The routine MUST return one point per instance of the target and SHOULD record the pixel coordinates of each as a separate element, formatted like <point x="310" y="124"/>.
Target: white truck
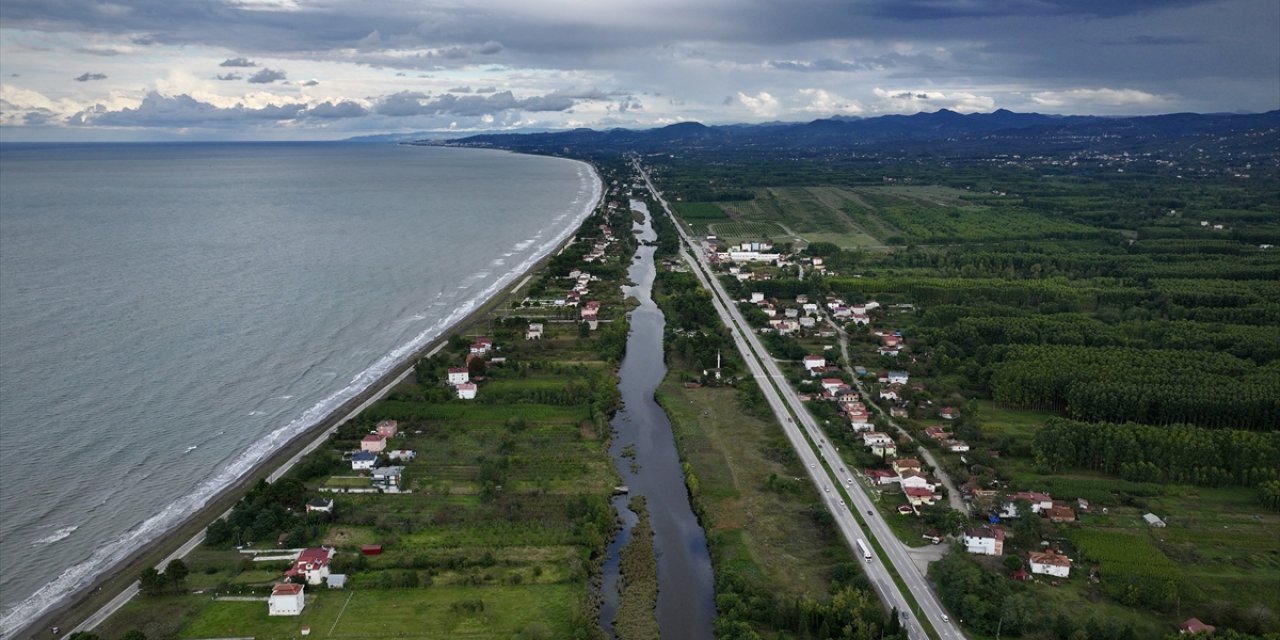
<point x="866" y="552"/>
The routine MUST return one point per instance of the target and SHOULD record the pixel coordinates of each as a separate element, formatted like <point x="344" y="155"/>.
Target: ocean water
<point x="171" y="313"/>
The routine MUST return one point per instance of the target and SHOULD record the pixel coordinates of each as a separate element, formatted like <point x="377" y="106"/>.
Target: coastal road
<point x="822" y="463"/>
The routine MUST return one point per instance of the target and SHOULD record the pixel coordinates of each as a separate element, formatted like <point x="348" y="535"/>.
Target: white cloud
<point x="761" y="105"/>
<point x="823" y="102"/>
<point x="1098" y="97"/>
<point x="917" y="100"/>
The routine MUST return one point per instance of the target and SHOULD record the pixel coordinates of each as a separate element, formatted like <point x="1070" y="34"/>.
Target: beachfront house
<point x="481" y="347"/>
<point x="402" y="455"/>
<point x="534" y="332"/>
<point x="387" y="478"/>
<point x="287" y="599"/>
<point x="363" y="460"/>
<point x="387" y="428"/>
<point x="459" y="375"/>
<point x="466" y="391"/>
<point x="312" y="564"/>
<point x="373" y="442"/>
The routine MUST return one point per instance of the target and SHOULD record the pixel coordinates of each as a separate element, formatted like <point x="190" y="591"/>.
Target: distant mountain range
<point x="942" y="131"/>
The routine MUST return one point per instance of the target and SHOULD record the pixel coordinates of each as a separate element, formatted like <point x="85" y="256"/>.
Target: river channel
<point x="686" y="593"/>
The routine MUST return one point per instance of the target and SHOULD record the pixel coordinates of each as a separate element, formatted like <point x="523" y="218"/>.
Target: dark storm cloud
<point x="229" y="76"/>
<point x="238" y="62"/>
<point x="267" y="76"/>
<point x="311" y="83"/>
<point x="413" y="103"/>
<point x="912" y="10"/>
<point x="159" y="110"/>
<point x="87" y="76"/>
<point x="460" y="90"/>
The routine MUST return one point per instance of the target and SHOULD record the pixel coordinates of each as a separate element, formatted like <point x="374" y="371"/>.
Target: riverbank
<point x="120" y="577"/>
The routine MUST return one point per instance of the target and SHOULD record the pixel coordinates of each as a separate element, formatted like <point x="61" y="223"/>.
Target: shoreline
<point x="110" y="590"/>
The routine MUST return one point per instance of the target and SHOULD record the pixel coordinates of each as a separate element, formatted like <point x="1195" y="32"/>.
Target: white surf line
<point x="132" y="590"/>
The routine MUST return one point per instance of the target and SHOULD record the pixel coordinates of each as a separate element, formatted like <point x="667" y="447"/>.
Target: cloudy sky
<point x="320" y="69"/>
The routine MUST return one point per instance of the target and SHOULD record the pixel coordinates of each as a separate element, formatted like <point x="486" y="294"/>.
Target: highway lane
<point x="823" y="464"/>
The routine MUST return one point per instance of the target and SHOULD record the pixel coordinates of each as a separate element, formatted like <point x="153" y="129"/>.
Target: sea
<point x="170" y="314"/>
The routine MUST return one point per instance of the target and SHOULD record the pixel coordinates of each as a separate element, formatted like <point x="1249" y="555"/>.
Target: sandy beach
<point x="116" y="586"/>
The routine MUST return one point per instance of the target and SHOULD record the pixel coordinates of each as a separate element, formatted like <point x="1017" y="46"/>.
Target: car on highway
<point x="868" y="512"/>
<point x="810" y="465"/>
<point x="946" y="618"/>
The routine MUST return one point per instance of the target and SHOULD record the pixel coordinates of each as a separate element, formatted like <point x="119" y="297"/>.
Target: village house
<point x="987" y="541"/>
<point x="948" y="413"/>
<point x="1039" y="502"/>
<point x="807" y="323"/>
<point x="387" y="478"/>
<point x="757" y="297"/>
<point x="1060" y="513"/>
<point x="898" y="377"/>
<point x="459" y="375"/>
<point x="534" y="332"/>
<point x="466" y="391"/>
<point x="319" y="505"/>
<point x="898" y="412"/>
<point x="814" y="362"/>
<point x="956" y="446"/>
<point x="373" y="442"/>
<point x="880" y="477"/>
<point x="1050" y="563"/>
<point x="287" y="599"/>
<point x="402" y="455"/>
<point x="312" y="564"/>
<point x="481" y="347"/>
<point x="590" y="312"/>
<point x="919" y="497"/>
<point x="1193" y="625"/>
<point x="873" y="438"/>
<point x="889" y="392"/>
<point x="906" y="464"/>
<point x="804" y="299"/>
<point x="387" y="428"/>
<point x="832" y="384"/>
<point x="363" y="460"/>
<point x="914" y="479"/>
<point x="937" y="432"/>
<point x="885" y="450"/>
<point x="890" y="345"/>
<point x="860" y="319"/>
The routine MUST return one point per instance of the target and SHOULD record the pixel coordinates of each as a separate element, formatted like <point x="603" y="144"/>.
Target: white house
<point x="898" y="377"/>
<point x="363" y="460"/>
<point x="481" y="346"/>
<point x="757" y="297"/>
<point x="534" y="332"/>
<point x="459" y="375"/>
<point x="312" y="564"/>
<point x="403" y="455"/>
<point x="466" y="391"/>
<point x="814" y="362"/>
<point x="884" y="449"/>
<point x="287" y="599"/>
<point x="1153" y="520"/>
<point x="1050" y="563"/>
<point x="915" y="480"/>
<point x="832" y="384"/>
<point x="987" y="541"/>
<point x="387" y="428"/>
<point x="889" y="392"/>
<point x="861" y="318"/>
<point x="1039" y="502"/>
<point x="809" y="308"/>
<point x="956" y="446"/>
<point x="873" y="438"/>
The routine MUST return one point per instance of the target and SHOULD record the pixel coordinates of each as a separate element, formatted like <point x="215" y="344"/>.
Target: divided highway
<point x="822" y="463"/>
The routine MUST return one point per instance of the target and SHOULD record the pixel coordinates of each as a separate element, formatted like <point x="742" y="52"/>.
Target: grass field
<point x="813" y="213"/>
<point x="763" y="534"/>
<point x="546" y="611"/>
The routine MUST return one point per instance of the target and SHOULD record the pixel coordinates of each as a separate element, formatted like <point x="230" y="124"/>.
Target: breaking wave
<point x="80" y="575"/>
